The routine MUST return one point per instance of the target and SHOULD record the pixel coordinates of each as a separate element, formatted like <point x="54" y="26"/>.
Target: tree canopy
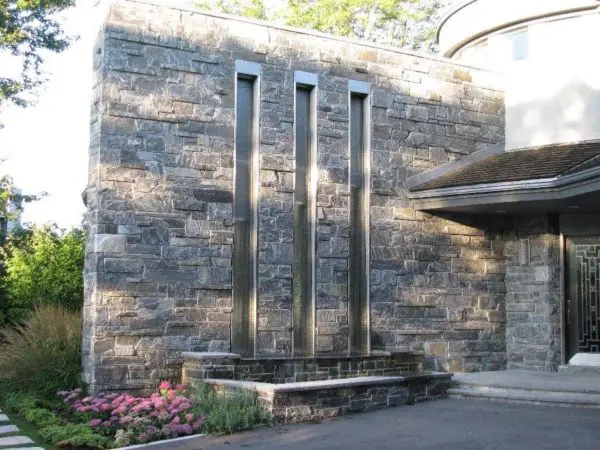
<point x="28" y="28"/>
<point x="402" y="23"/>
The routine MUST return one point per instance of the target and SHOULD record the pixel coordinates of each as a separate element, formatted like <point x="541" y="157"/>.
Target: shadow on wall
<point x="158" y="268"/>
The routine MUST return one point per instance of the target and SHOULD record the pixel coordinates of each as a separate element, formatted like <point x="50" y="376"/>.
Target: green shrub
<point x="42" y="266"/>
<point x="43" y="355"/>
<point x="75" y="434"/>
<point x="227" y="412"/>
<point x="51" y="427"/>
<point x="41" y="417"/>
<point x="18" y="401"/>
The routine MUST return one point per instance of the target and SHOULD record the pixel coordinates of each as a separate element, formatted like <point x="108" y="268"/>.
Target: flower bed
<point x="80" y="422"/>
<point x="132" y="420"/>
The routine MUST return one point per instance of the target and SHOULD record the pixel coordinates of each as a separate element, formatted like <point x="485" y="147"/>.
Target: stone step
<point x="23" y="448"/>
<point x="7" y="429"/>
<point x="3" y="418"/>
<point x="528" y="396"/>
<point x="579" y="369"/>
<point x="12" y="441"/>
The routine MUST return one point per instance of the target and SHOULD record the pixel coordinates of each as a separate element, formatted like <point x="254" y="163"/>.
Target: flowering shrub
<point x="130" y="420"/>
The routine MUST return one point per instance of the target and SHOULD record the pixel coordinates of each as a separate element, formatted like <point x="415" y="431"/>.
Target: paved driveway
<point x="436" y="425"/>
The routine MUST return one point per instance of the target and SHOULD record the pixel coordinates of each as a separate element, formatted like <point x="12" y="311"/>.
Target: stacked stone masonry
<point x="293" y="370"/>
<point x="315" y="401"/>
<point x="533" y="294"/>
<point x="158" y="261"/>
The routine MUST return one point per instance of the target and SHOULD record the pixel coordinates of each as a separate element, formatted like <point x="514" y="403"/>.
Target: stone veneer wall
<point x="158" y="268"/>
<point x="533" y="325"/>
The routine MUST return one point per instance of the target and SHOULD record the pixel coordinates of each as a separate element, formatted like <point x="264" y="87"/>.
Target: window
<point x="243" y="329"/>
<point x="519" y="45"/>
<point x="358" y="265"/>
<point x="303" y="290"/>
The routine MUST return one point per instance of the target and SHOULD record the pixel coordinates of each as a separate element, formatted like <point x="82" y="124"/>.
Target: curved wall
<point x="475" y="18"/>
<point x="546" y="49"/>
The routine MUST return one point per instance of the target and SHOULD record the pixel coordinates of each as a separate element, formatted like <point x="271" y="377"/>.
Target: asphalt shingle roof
<point x="531" y="164"/>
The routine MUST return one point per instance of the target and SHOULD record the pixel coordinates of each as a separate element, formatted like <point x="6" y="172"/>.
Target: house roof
<point x="529" y="164"/>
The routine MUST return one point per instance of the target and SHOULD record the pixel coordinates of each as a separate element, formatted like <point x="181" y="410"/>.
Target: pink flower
<point x="120" y="410"/>
<point x="143" y="437"/>
<point x="95" y="422"/>
<point x="180" y="387"/>
<point x="189" y="417"/>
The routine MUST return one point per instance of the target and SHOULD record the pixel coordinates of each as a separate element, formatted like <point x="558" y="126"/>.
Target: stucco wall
<point x="554" y="95"/>
<point x="468" y="20"/>
<point x="158" y="269"/>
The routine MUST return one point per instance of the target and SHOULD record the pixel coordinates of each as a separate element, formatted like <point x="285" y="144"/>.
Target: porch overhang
<point x="493" y="181"/>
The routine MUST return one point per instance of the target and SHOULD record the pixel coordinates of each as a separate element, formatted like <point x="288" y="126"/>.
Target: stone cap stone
<point x="326" y="384"/>
<point x="306" y="385"/>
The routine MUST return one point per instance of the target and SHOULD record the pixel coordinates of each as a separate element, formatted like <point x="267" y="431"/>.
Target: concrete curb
<point x="181" y="443"/>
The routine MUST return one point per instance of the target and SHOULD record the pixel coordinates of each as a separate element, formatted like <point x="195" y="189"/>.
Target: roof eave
<point x="548" y="189"/>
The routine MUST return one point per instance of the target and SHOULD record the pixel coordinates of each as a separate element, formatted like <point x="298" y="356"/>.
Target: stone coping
<point x="341" y="356"/>
<point x="225" y="355"/>
<point x="183" y="5"/>
<point x="210" y="355"/>
<point x="325" y="384"/>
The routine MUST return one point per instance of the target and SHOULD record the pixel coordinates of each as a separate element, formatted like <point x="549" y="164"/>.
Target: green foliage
<point x="17" y="401"/>
<point x="41" y="267"/>
<point x="41" y="417"/>
<point x="11" y="201"/>
<point x="74" y="434"/>
<point x="43" y="354"/>
<point x="227" y="412"/>
<point x="27" y="29"/>
<point x="51" y="427"/>
<point x="402" y="23"/>
<point x="254" y="9"/>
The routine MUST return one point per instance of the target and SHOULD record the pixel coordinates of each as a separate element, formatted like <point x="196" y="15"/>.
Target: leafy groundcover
<point x="117" y="420"/>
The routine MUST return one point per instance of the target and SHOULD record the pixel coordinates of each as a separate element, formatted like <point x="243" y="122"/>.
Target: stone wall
<point x="444" y="292"/>
<point x="317" y="400"/>
<point x="533" y="325"/>
<point x="201" y="366"/>
<point x="158" y="269"/>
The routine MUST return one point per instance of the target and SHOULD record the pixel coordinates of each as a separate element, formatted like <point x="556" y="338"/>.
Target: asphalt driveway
<point x="436" y="425"/>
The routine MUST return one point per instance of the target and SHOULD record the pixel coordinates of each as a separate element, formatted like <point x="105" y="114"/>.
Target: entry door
<point x="583" y="295"/>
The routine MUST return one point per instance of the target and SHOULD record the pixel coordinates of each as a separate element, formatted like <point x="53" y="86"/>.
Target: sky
<point x="45" y="146"/>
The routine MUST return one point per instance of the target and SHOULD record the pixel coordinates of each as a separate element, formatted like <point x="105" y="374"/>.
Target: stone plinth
<point x="316" y="400"/>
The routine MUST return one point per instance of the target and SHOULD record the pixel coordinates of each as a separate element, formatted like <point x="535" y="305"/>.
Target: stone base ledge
<point x="307" y="385"/>
<point x="315" y="400"/>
